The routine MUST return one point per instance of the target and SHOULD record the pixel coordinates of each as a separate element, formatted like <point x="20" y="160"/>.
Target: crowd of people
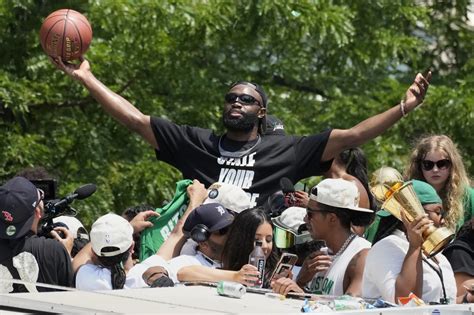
<point x="231" y="200"/>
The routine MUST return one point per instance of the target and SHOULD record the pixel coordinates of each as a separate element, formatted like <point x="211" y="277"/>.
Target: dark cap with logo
<point x="213" y="215"/>
<point x="18" y="200"/>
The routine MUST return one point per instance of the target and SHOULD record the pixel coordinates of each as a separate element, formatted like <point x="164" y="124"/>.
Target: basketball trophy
<point x="388" y="187"/>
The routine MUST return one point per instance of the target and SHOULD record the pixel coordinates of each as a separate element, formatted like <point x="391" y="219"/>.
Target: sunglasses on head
<point x="428" y="165"/>
<point x="244" y="99"/>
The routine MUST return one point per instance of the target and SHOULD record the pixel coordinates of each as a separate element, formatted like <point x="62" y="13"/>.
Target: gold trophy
<point x="388" y="187"/>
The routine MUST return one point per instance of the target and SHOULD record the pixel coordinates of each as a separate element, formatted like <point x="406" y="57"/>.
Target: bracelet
<point x="402" y="108"/>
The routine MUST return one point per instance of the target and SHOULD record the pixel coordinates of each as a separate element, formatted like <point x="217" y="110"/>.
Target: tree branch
<point x="298" y="87"/>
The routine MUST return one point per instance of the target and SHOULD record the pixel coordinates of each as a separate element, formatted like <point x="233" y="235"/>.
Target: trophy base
<point x="436" y="241"/>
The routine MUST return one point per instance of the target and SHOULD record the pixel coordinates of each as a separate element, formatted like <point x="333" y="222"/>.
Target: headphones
<point x="200" y="233"/>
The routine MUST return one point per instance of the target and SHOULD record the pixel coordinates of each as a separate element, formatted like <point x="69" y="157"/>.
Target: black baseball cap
<point x="213" y="215"/>
<point x="18" y="200"/>
<point x="274" y="126"/>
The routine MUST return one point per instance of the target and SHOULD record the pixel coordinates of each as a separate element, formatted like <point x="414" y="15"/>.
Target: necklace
<point x="344" y="246"/>
<point x="237" y="154"/>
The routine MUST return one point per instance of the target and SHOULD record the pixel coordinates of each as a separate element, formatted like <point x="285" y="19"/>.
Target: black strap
<point x="439" y="272"/>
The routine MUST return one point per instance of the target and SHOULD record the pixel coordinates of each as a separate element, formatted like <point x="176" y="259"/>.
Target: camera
<point x="49" y="186"/>
<point x="57" y="207"/>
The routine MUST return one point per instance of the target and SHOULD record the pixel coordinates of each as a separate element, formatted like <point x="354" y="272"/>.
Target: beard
<point x="244" y="123"/>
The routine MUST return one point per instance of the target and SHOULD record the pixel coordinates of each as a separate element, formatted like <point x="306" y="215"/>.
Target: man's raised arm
<point x="114" y="104"/>
<point x="374" y="126"/>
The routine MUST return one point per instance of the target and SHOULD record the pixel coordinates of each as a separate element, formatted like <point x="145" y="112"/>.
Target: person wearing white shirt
<point x="396" y="266"/>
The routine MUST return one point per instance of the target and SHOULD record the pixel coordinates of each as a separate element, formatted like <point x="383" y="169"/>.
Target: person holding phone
<point x="332" y="209"/>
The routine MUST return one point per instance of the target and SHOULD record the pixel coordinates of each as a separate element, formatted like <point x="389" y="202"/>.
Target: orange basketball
<point x="65" y="33"/>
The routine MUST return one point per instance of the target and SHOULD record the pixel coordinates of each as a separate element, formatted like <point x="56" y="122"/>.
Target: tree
<point x="323" y="64"/>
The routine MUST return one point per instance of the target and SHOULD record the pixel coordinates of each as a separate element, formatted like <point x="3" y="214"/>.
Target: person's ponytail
<point x="115" y="264"/>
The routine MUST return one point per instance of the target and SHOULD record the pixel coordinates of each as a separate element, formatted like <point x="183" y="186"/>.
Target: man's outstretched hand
<point x="75" y="70"/>
<point x="417" y="91"/>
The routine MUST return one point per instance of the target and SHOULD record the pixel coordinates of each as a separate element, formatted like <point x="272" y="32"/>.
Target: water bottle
<point x="257" y="259"/>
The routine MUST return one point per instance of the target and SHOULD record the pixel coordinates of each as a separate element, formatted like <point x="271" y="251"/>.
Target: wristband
<point x="402" y="108"/>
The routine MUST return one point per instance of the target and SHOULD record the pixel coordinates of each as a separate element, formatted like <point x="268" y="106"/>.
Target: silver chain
<point x="344" y="246"/>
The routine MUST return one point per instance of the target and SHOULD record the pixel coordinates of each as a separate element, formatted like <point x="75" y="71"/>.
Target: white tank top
<point x="330" y="282"/>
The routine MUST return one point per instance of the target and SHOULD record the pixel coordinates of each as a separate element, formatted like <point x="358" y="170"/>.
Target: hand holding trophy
<point x="388" y="187"/>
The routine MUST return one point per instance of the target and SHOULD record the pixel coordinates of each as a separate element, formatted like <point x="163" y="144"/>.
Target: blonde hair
<point x="454" y="190"/>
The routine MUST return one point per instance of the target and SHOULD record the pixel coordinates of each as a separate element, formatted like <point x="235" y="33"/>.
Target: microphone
<point x="289" y="192"/>
<point x="80" y="193"/>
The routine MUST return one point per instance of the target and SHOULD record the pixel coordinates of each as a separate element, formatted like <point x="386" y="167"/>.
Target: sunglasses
<point x="311" y="212"/>
<point x="224" y="230"/>
<point x="244" y="99"/>
<point x="428" y="165"/>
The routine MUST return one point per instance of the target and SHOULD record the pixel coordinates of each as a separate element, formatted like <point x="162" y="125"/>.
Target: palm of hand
<point x="417" y="91"/>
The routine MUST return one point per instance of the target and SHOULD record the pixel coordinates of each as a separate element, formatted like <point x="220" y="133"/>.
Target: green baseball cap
<point x="425" y="192"/>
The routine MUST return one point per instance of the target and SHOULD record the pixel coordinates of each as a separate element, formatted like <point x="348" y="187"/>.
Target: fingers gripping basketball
<point x="65" y="33"/>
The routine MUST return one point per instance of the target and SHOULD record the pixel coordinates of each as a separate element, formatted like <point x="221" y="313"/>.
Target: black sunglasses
<point x="244" y="99"/>
<point x="311" y="212"/>
<point x="224" y="230"/>
<point x="428" y="165"/>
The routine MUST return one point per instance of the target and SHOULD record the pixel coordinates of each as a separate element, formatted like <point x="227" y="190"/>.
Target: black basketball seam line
<point x="49" y="31"/>
<point x="74" y="21"/>
<point x="64" y="32"/>
<point x="51" y="27"/>
<point x="51" y="16"/>
<point x="78" y="32"/>
<point x="86" y="22"/>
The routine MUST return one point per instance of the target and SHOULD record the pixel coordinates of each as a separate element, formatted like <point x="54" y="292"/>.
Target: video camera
<point x="56" y="207"/>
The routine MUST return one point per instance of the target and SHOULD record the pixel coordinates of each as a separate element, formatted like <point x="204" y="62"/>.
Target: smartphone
<point x="285" y="264"/>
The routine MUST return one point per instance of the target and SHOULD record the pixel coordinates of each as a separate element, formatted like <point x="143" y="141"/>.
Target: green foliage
<point x="323" y="63"/>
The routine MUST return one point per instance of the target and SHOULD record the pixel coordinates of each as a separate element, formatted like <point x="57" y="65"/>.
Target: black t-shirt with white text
<point x="195" y="152"/>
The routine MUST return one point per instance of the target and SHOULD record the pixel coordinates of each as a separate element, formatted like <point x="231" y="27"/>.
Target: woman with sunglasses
<point x="249" y="226"/>
<point x="437" y="161"/>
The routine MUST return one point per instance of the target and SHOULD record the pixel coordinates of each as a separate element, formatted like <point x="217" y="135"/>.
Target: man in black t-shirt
<point x="23" y="255"/>
<point x="244" y="156"/>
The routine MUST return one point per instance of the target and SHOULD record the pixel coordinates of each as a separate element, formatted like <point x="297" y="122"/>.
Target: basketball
<point x="65" y="33"/>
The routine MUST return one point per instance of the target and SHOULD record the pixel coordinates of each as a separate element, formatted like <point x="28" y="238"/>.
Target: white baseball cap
<point x="73" y="225"/>
<point x="230" y="196"/>
<point x="111" y="230"/>
<point x="338" y="193"/>
<point x="291" y="218"/>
